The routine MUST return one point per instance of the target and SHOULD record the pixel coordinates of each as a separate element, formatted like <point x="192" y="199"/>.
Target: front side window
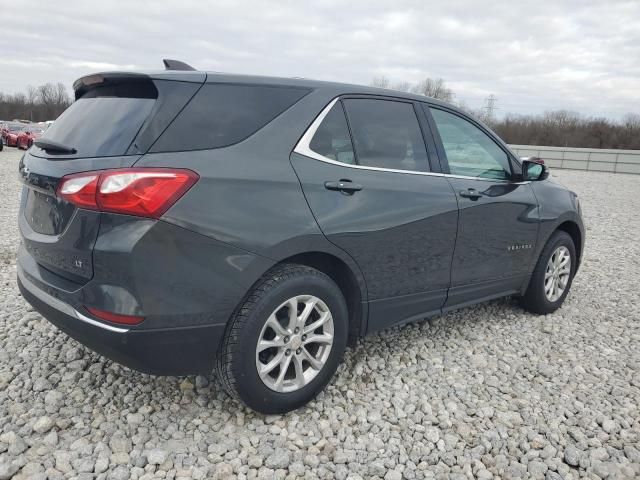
<point x="470" y="151"/>
<point x="386" y="134"/>
<point x="332" y="139"/>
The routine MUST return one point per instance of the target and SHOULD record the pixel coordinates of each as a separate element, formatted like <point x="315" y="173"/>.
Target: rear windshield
<point x="223" y="114"/>
<point x="105" y="120"/>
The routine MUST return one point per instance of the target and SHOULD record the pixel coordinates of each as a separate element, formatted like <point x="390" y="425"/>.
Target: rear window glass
<point x="221" y="115"/>
<point x="105" y="120"/>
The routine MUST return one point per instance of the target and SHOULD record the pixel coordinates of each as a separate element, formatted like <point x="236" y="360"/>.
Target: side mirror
<point x="534" y="171"/>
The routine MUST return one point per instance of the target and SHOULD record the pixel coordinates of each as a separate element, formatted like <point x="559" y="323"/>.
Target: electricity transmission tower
<point x="490" y="106"/>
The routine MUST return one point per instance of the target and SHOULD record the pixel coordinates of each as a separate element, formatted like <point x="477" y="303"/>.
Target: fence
<point x="602" y="160"/>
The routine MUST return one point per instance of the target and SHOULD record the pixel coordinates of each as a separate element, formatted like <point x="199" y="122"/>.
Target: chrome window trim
<point x="63" y="307"/>
<point x="303" y="148"/>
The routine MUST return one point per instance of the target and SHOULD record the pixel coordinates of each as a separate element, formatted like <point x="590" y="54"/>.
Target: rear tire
<point x="302" y="358"/>
<point x="552" y="278"/>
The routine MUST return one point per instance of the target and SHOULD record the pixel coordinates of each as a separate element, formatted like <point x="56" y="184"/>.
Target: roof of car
<point x="220" y="77"/>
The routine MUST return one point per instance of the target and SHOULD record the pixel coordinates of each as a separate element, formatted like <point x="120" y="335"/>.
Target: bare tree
<point x="32" y="99"/>
<point x="434" y="88"/>
<point x="380" y="82"/>
<point x="402" y="86"/>
<point x="631" y="121"/>
<point x="45" y="102"/>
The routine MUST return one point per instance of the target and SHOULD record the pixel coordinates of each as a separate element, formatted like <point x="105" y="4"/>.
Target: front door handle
<point x="346" y="186"/>
<point x="471" y="193"/>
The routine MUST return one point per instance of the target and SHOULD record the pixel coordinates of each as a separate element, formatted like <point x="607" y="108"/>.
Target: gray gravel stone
<point x="572" y="456"/>
<point x="7" y="469"/>
<point x="156" y="456"/>
<point x="280" y="458"/>
<point x="43" y="425"/>
<point x="609" y="426"/>
<point x="393" y="475"/>
<point x="537" y="469"/>
<point x="487" y="392"/>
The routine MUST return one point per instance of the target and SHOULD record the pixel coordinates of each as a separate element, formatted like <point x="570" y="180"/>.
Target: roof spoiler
<point x="86" y="83"/>
<point x="176" y="65"/>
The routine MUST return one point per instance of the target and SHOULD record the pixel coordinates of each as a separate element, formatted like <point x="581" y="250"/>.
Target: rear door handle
<point x="471" y="193"/>
<point x="346" y="186"/>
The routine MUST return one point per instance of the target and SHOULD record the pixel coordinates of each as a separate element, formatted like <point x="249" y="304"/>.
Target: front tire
<point x="285" y="340"/>
<point x="552" y="278"/>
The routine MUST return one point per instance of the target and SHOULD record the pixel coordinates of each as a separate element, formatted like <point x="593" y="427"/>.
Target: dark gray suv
<point x="180" y="221"/>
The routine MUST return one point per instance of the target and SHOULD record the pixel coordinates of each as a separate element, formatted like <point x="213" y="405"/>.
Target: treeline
<point x="38" y="104"/>
<point x="568" y="129"/>
<point x="559" y="128"/>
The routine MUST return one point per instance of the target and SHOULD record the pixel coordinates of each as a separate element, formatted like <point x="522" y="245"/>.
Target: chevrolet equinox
<point x="180" y="221"/>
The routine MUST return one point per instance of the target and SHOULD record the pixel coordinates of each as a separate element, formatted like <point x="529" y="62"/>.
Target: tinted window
<point x="221" y="115"/>
<point x="386" y="134"/>
<point x="105" y="120"/>
<point x="332" y="138"/>
<point x="470" y="151"/>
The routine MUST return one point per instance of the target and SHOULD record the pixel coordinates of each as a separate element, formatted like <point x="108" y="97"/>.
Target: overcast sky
<point x="579" y="55"/>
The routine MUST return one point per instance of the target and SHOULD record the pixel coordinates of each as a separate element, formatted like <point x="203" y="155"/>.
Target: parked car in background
<point x="28" y="135"/>
<point x="10" y="135"/>
<point x="4" y="128"/>
<point x="182" y="221"/>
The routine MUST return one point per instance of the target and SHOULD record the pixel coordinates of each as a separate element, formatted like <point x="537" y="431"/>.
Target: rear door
<point x="374" y="195"/>
<point x="498" y="222"/>
<point x="113" y="121"/>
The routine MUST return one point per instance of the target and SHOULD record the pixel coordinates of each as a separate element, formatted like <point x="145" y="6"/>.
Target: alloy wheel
<point x="294" y="343"/>
<point x="557" y="274"/>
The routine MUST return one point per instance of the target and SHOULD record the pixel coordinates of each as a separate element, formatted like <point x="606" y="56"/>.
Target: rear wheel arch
<point x="346" y="279"/>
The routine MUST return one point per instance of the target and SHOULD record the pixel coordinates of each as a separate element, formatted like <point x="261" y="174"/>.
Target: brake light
<point x="144" y="192"/>
<point x="115" y="317"/>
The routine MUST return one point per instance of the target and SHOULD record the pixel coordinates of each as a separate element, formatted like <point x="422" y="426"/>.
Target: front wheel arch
<point x="574" y="232"/>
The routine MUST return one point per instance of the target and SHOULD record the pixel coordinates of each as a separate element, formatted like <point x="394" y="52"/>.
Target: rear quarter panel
<point x="249" y="196"/>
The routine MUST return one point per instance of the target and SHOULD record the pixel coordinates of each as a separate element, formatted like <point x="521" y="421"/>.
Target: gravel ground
<point x="485" y="392"/>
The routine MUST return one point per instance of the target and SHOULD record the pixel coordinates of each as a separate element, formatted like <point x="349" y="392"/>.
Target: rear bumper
<point x="167" y="351"/>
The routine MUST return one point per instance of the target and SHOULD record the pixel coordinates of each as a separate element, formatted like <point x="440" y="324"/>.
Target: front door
<point x="375" y="198"/>
<point x="498" y="221"/>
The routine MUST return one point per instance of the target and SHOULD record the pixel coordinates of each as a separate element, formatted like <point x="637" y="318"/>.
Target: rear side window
<point x="386" y="134"/>
<point x="105" y="120"/>
<point x="222" y="114"/>
<point x="332" y="138"/>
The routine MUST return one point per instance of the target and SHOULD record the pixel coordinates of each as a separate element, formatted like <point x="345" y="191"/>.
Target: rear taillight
<point x="144" y="192"/>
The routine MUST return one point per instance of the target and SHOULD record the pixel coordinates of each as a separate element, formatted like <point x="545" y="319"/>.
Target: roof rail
<point x="176" y="65"/>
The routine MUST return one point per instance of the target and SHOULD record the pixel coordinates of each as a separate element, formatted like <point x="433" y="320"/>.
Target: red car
<point x="27" y="136"/>
<point x="10" y="133"/>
